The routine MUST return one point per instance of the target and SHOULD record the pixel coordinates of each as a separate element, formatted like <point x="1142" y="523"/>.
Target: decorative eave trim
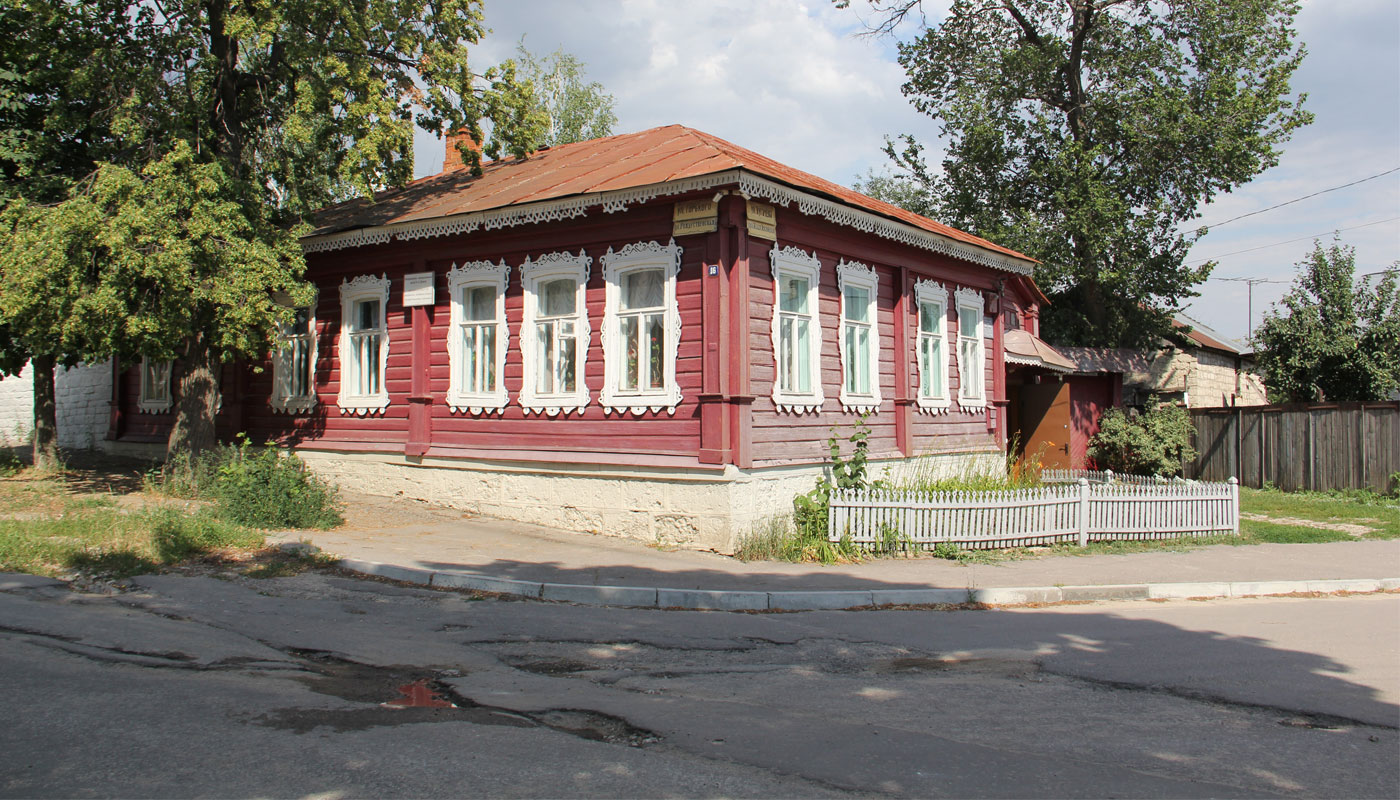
<point x="469" y="273"/>
<point x="637" y="255"/>
<point x="571" y="207"/>
<point x="863" y="275"/>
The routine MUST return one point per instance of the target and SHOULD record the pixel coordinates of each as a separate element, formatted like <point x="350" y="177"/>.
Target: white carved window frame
<point x="975" y="342"/>
<point x="283" y="401"/>
<point x="156" y="396"/>
<point x="928" y="292"/>
<point x="861" y="276"/>
<point x="553" y="266"/>
<point x="795" y="261"/>
<point x="632" y="257"/>
<point x="471" y="274"/>
<point x="363" y="287"/>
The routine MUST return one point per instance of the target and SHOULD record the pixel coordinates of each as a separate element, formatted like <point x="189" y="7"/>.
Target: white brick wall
<point x="83" y="396"/>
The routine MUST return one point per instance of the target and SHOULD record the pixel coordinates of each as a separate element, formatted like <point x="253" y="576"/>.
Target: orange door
<point x="1045" y="423"/>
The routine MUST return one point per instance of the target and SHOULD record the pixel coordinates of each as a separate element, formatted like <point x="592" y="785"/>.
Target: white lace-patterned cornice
<point x="611" y="202"/>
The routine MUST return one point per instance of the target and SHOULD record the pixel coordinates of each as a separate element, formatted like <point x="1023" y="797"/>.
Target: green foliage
<point x="270" y="488"/>
<point x="9" y="462"/>
<point x="160" y="157"/>
<point x="1086" y="134"/>
<point x="908" y="194"/>
<point x="259" y="487"/>
<point x="1155" y="442"/>
<point x="1333" y="339"/>
<point x="576" y="109"/>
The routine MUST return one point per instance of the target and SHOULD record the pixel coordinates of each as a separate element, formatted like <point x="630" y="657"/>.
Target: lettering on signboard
<point x="418" y="289"/>
<point x="762" y="221"/>
<point x="695" y="216"/>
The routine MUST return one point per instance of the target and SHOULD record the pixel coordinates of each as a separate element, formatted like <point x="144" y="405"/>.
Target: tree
<point x="1085" y="133"/>
<point x="908" y="194"/>
<point x="60" y="88"/>
<point x="240" y="120"/>
<point x="1333" y="339"/>
<point x="576" y="110"/>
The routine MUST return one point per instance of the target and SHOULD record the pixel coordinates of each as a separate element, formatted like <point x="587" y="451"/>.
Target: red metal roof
<point x="654" y="156"/>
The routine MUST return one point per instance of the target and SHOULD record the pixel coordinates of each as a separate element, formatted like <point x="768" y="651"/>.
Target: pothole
<point x="404" y="695"/>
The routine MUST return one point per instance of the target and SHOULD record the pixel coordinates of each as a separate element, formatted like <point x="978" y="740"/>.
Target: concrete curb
<point x="706" y="600"/>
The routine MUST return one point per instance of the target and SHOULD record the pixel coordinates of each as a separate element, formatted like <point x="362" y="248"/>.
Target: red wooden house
<point x="650" y="335"/>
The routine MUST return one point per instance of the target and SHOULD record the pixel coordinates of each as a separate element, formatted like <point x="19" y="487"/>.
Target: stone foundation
<point x="689" y="508"/>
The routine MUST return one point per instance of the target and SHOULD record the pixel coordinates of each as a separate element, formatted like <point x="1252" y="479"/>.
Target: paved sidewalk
<point x="446" y="548"/>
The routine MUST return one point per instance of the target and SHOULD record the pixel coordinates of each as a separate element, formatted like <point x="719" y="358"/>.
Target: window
<point x="155" y="387"/>
<point x="554" y="333"/>
<point x="477" y="342"/>
<point x="796" y="332"/>
<point x="364" y="344"/>
<point x="641" y="328"/>
<point x="972" y="396"/>
<point x="931" y="298"/>
<point x="860" y="338"/>
<point x="294" y="364"/>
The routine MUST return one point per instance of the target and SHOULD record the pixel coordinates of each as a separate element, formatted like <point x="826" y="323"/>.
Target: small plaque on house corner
<point x="762" y="221"/>
<point x="695" y="216"/>
<point x="418" y="289"/>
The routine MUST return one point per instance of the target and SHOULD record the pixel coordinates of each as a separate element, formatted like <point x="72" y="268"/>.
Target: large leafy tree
<point x="1332" y="338"/>
<point x="1086" y="133"/>
<point x="61" y="87"/>
<point x="577" y="108"/>
<point x="239" y="118"/>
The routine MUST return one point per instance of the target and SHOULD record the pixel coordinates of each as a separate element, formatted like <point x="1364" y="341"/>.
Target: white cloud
<point x="791" y="81"/>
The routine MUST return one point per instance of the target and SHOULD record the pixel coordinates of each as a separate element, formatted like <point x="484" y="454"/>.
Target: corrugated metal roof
<point x="647" y="158"/>
<point x="1023" y="348"/>
<point x="1206" y="337"/>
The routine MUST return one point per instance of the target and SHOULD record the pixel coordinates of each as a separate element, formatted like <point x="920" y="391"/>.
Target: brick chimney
<point x="452" y="160"/>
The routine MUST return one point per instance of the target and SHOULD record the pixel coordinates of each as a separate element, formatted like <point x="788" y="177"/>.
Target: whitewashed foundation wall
<point x="84" y="394"/>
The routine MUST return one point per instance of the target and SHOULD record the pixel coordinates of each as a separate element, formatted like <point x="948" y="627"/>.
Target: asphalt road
<point x="328" y="686"/>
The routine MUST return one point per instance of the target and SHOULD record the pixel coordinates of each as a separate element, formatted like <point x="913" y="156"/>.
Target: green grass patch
<point x="262" y="487"/>
<point x="1378" y="512"/>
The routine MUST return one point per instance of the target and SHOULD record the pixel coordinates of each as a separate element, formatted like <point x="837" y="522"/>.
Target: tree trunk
<point x="197" y="403"/>
<point x="45" y="414"/>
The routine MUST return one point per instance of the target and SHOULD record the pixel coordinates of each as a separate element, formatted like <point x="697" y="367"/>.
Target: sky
<point x="795" y="82"/>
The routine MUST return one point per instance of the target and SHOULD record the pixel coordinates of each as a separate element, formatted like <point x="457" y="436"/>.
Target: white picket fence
<point x="1082" y="512"/>
<point x="1102" y="476"/>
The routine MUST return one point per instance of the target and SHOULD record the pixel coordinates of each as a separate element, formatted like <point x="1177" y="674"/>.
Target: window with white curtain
<point x="972" y="394"/>
<point x="796" y="330"/>
<point x="931" y="300"/>
<point x="364" y="344"/>
<point x="478" y="336"/>
<point x="641" y="328"/>
<point x="155" y="386"/>
<point x="555" y="333"/>
<point x="860" y="338"/>
<point x="294" y="363"/>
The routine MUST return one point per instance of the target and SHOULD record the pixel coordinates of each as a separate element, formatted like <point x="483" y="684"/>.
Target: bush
<point x="261" y="487"/>
<point x="1151" y="443"/>
<point x="270" y="488"/>
<point x="9" y="462"/>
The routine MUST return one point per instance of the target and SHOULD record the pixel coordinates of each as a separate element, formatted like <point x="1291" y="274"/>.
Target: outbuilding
<point x="651" y="335"/>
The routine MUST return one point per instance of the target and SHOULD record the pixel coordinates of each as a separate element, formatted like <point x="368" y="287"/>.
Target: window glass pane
<point x="857" y="302"/>
<point x="567" y="351"/>
<point x="852" y="359"/>
<point x="488" y="358"/>
<point x="786" y="361"/>
<point x="558" y="298"/>
<point x="925" y="367"/>
<point x="479" y="302"/>
<point x="936" y="366"/>
<point x="794" y="294"/>
<point x="544" y="348"/>
<point x="656" y="367"/>
<point x="643" y="288"/>
<point x="863" y="360"/>
<point x="803" y="353"/>
<point x="928" y="317"/>
<point x="630" y="365"/>
<point x="367" y="315"/>
<point x="967" y="321"/>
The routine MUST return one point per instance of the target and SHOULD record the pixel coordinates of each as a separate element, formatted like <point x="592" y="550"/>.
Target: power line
<point x="1300" y="199"/>
<point x="1249" y="318"/>
<point x="1291" y="241"/>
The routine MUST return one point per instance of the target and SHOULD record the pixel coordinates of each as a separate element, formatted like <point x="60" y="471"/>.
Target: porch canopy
<point x="1026" y="350"/>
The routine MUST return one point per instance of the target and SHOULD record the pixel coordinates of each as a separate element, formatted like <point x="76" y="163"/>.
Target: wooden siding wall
<point x="784" y="438"/>
<point x="774" y="438"/>
<point x="1304" y="447"/>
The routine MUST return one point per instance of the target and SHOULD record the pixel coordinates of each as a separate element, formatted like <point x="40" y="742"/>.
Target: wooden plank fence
<point x="1082" y="512"/>
<point x="1300" y="447"/>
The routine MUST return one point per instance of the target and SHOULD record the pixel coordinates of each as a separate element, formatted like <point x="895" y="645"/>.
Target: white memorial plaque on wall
<point x="418" y="289"/>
